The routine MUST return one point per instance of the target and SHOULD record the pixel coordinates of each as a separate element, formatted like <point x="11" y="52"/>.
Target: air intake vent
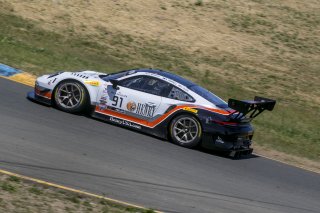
<point x="80" y="75"/>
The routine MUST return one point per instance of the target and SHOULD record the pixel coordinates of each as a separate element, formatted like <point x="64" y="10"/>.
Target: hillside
<point x="236" y="48"/>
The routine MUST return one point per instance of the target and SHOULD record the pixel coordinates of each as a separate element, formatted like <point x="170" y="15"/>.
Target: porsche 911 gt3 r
<point x="156" y="102"/>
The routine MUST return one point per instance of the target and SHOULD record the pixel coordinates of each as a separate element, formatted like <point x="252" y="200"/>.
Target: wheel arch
<point x="53" y="100"/>
<point x="178" y="113"/>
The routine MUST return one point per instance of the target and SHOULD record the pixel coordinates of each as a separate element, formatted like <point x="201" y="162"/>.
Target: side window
<point x="155" y="86"/>
<point x="147" y="84"/>
<point x="133" y="83"/>
<point x="178" y="94"/>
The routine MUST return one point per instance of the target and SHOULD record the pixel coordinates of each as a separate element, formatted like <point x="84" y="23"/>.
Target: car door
<point x="143" y="96"/>
<point x="137" y="98"/>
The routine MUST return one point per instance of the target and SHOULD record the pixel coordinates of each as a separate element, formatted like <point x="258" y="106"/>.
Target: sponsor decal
<point x="92" y="83"/>
<point x="121" y="95"/>
<point x="146" y="109"/>
<point x="131" y="106"/>
<point x="119" y="110"/>
<point x="219" y="140"/>
<point x="125" y="123"/>
<point x="104" y="99"/>
<point x="103" y="102"/>
<point x="209" y="120"/>
<point x="102" y="106"/>
<point x="190" y="110"/>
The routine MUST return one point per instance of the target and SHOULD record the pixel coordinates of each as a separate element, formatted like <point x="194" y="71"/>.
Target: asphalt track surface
<point x="98" y="157"/>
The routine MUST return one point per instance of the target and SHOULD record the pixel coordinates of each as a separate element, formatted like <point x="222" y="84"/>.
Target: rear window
<point x="178" y="94"/>
<point x="206" y="94"/>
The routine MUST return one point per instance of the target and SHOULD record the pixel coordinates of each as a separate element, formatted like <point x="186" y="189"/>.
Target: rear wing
<point x="252" y="108"/>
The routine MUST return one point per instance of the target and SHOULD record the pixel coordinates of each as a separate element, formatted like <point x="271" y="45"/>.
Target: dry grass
<point x="300" y="162"/>
<point x="17" y="195"/>
<point x="253" y="43"/>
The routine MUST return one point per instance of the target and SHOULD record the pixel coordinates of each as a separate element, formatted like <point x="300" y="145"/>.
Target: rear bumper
<point x="36" y="98"/>
<point x="239" y="153"/>
<point x="235" y="145"/>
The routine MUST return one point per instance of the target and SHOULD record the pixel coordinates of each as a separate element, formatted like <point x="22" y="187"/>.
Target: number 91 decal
<point x="117" y="101"/>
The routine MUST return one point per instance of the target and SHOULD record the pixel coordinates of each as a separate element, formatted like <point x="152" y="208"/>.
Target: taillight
<point x="225" y="123"/>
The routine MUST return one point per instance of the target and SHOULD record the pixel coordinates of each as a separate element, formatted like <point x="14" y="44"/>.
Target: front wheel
<point x="71" y="96"/>
<point x="186" y="131"/>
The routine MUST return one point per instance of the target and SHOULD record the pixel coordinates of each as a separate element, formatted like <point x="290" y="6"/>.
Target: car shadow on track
<point x="89" y="111"/>
<point x="199" y="149"/>
<point x="226" y="155"/>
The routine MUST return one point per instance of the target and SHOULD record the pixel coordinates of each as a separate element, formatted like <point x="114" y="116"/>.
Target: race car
<point x="156" y="102"/>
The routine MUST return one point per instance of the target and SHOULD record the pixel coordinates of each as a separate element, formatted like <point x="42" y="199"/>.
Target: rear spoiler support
<point x="253" y="107"/>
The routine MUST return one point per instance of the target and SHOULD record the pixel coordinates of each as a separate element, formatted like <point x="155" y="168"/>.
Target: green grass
<point x="8" y="187"/>
<point x="14" y="179"/>
<point x="74" y="199"/>
<point x="199" y="3"/>
<point x="35" y="190"/>
<point x="292" y="127"/>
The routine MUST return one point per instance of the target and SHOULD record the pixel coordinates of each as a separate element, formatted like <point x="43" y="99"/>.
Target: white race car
<point x="156" y="102"/>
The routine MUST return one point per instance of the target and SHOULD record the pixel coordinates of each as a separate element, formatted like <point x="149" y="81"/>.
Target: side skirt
<point x="129" y="124"/>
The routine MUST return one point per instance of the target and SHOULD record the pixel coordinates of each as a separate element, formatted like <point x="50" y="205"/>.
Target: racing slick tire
<point x="185" y="130"/>
<point x="71" y="96"/>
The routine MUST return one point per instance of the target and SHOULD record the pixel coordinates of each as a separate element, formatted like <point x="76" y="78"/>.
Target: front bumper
<point x="41" y="93"/>
<point x="34" y="97"/>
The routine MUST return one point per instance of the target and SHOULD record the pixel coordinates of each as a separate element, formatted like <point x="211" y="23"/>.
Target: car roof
<point x="169" y="75"/>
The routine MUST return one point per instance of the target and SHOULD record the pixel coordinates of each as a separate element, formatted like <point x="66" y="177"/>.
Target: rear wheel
<point x="71" y="96"/>
<point x="186" y="131"/>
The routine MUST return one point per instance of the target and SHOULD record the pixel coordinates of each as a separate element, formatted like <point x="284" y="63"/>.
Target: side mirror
<point x="114" y="83"/>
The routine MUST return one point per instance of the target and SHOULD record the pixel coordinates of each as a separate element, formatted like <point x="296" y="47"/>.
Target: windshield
<point x="209" y="96"/>
<point x="117" y="75"/>
<point x="112" y="76"/>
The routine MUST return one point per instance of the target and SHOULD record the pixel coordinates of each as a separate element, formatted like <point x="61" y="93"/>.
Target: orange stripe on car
<point x="43" y="94"/>
<point x="220" y="111"/>
<point x="154" y="123"/>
